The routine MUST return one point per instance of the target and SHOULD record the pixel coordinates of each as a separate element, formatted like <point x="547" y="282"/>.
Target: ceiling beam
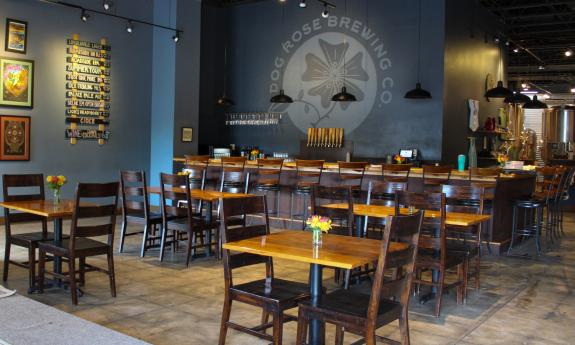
<point x="531" y="5"/>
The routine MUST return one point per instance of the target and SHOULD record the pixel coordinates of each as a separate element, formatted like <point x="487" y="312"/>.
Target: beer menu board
<point x="87" y="90"/>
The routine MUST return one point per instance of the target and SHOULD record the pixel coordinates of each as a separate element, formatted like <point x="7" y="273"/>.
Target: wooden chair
<point x="396" y="172"/>
<point x="380" y="193"/>
<point x="24" y="183"/>
<point x="272" y="294"/>
<point x="466" y="240"/>
<point x="81" y="244"/>
<point x="182" y="219"/>
<point x="308" y="174"/>
<point x="436" y="175"/>
<point x="361" y="314"/>
<point x="351" y="173"/>
<point x="136" y="210"/>
<point x="433" y="251"/>
<point x="197" y="169"/>
<point x="233" y="178"/>
<point x="268" y="178"/>
<point x="484" y="173"/>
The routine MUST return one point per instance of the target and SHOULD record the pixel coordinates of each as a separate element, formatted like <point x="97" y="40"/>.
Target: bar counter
<point x="510" y="186"/>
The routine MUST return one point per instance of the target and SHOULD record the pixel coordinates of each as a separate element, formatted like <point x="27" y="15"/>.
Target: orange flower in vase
<point x="55" y="183"/>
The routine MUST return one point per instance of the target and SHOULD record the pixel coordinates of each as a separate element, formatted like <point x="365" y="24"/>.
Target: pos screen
<point x="406" y="153"/>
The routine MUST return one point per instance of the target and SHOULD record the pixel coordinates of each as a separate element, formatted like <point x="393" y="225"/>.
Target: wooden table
<point x="204" y="195"/>
<point x="335" y="251"/>
<point x="49" y="210"/>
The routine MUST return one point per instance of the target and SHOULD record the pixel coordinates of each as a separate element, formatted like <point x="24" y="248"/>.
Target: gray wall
<point x="256" y="34"/>
<point x="128" y="147"/>
<point x="468" y="60"/>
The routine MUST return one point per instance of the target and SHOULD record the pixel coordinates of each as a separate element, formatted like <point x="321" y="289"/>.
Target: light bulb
<point x="84" y="16"/>
<point x="107" y="4"/>
<point x="176" y="37"/>
<point x="568" y="52"/>
<point x="130" y="27"/>
<point x="516" y="50"/>
<point x="524" y="85"/>
<point x="573" y="90"/>
<point x="302" y="4"/>
<point x="325" y="12"/>
<point x="541" y="67"/>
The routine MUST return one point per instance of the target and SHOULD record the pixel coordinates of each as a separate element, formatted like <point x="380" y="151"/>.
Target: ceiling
<point x="542" y="30"/>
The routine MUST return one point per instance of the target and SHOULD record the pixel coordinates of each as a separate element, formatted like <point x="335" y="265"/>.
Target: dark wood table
<point x="335" y="251"/>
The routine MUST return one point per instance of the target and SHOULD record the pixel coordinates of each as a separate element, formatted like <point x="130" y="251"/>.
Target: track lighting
<point x="176" y="37"/>
<point x="130" y="27"/>
<point x="573" y="90"/>
<point x="541" y="67"/>
<point x="516" y="50"/>
<point x="325" y="12"/>
<point x="497" y="40"/>
<point x="302" y="4"/>
<point x="568" y="52"/>
<point x="107" y="4"/>
<point x="84" y="16"/>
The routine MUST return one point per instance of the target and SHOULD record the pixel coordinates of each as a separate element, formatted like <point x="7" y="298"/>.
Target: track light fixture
<point x="325" y="12"/>
<point x="129" y="27"/>
<point x="516" y="50"/>
<point x="568" y="52"/>
<point x="84" y="16"/>
<point x="107" y="4"/>
<point x="176" y="37"/>
<point x="302" y="4"/>
<point x="541" y="67"/>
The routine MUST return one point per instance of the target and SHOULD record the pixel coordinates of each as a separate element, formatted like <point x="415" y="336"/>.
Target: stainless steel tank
<point x="559" y="129"/>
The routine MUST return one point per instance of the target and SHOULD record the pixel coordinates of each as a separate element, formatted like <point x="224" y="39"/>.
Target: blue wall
<point x="128" y="147"/>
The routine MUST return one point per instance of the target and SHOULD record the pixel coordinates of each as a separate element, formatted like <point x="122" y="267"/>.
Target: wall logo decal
<point x="313" y="64"/>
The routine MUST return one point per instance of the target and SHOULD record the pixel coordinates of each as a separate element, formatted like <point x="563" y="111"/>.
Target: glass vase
<point x="56" y="196"/>
<point x="472" y="155"/>
<point x="316" y="237"/>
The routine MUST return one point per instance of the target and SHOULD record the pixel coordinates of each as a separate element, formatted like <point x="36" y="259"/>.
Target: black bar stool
<point x="532" y="222"/>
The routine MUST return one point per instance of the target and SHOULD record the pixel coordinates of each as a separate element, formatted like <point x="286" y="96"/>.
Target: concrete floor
<point x="521" y="301"/>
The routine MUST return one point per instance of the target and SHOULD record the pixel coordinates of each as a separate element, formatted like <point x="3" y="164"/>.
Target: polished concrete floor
<point x="521" y="301"/>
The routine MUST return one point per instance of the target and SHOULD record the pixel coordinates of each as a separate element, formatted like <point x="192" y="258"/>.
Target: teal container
<point x="461" y="162"/>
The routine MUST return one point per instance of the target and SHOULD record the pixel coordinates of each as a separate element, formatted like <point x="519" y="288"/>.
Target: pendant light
<point x="224" y="101"/>
<point x="344" y="96"/>
<point x="517" y="98"/>
<point x="281" y="97"/>
<point x="535" y="104"/>
<point x="418" y="92"/>
<point x="499" y="91"/>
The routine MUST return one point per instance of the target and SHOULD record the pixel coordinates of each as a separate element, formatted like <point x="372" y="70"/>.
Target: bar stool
<point x="532" y="223"/>
<point x="197" y="169"/>
<point x="268" y="178"/>
<point x="395" y="172"/>
<point x="436" y="175"/>
<point x="308" y="174"/>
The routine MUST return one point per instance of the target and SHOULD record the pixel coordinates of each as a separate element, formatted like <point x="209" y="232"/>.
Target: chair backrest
<point x="351" y="173"/>
<point x="433" y="235"/>
<point x="135" y="201"/>
<point x="475" y="173"/>
<point x="548" y="179"/>
<point x="308" y="172"/>
<point x="175" y="197"/>
<point x="565" y="183"/>
<point x="269" y="170"/>
<point x="106" y="196"/>
<point x="233" y="178"/>
<point x="464" y="199"/>
<point x="404" y="230"/>
<point x="395" y="172"/>
<point x="322" y="195"/>
<point x="253" y="207"/>
<point x="383" y="193"/>
<point x="435" y="175"/>
<point x="197" y="167"/>
<point x="27" y="187"/>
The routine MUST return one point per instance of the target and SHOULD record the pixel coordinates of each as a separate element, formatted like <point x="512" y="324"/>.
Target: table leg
<point x="316" y="327"/>
<point x="209" y="231"/>
<point x="359" y="226"/>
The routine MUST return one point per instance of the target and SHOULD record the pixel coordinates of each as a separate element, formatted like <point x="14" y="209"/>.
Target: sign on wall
<point x="87" y="90"/>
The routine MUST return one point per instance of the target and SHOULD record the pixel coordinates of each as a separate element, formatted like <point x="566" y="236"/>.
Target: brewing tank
<point x="559" y="131"/>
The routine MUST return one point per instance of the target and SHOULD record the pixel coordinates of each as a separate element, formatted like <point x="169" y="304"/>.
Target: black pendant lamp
<point x="281" y="97"/>
<point x="534" y="104"/>
<point x="517" y="98"/>
<point x="224" y="101"/>
<point x="499" y="91"/>
<point x="418" y="92"/>
<point x="344" y="96"/>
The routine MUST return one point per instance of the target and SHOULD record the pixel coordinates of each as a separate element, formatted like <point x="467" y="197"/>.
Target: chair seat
<point x="183" y="224"/>
<point x="356" y="304"/>
<point x="83" y="245"/>
<point x="460" y="247"/>
<point x="31" y="237"/>
<point x="427" y="260"/>
<point x="282" y="291"/>
<point x="154" y="217"/>
<point x="528" y="203"/>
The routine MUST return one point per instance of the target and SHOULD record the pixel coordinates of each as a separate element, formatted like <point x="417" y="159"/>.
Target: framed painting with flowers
<point x="17" y="82"/>
<point x="14" y="138"/>
<point x="16" y="36"/>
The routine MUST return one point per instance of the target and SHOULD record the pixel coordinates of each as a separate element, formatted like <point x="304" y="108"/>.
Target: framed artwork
<point x="17" y="82"/>
<point x="14" y="138"/>
<point x="16" y="36"/>
<point x="187" y="134"/>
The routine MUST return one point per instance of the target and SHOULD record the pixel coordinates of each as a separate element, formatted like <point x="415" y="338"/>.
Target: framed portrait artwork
<point x="14" y="138"/>
<point x="17" y="82"/>
<point x="187" y="134"/>
<point x="16" y="36"/>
